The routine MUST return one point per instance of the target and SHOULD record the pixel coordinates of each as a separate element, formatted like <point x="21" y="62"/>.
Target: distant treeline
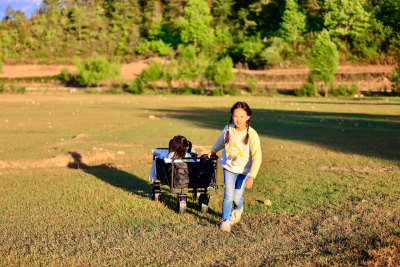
<point x="258" y="33"/>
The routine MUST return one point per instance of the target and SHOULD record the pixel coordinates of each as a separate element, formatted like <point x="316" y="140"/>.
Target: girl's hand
<point x="211" y="154"/>
<point x="249" y="182"/>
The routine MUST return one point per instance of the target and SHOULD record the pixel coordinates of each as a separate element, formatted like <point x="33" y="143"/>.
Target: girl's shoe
<point x="225" y="226"/>
<point x="236" y="216"/>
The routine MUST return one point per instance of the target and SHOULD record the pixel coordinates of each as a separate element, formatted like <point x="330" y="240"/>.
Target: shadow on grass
<point x="131" y="183"/>
<point x="363" y="134"/>
<point x="350" y="101"/>
<point x="112" y="175"/>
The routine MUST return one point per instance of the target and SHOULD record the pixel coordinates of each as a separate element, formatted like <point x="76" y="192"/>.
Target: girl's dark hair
<point x="245" y="107"/>
<point x="178" y="145"/>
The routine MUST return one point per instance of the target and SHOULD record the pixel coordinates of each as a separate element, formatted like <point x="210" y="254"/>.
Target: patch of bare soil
<point x="62" y="160"/>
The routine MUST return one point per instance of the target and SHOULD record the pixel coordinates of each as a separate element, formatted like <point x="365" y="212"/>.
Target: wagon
<point x="194" y="175"/>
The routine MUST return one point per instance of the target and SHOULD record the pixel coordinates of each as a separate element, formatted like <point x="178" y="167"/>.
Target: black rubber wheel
<point x="203" y="202"/>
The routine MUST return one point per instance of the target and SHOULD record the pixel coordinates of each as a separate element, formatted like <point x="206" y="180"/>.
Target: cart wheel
<point x="203" y="202"/>
<point x="181" y="204"/>
<point x="156" y="197"/>
<point x="156" y="193"/>
<point x="196" y="195"/>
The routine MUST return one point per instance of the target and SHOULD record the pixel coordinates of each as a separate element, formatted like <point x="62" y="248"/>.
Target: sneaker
<point x="236" y="216"/>
<point x="225" y="226"/>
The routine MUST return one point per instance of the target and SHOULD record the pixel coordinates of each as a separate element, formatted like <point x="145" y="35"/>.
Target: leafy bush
<point x="187" y="51"/>
<point x="218" y="91"/>
<point x="161" y="48"/>
<point x="232" y="90"/>
<point x="271" y="55"/>
<point x="154" y="72"/>
<point x="64" y="76"/>
<point x="1" y="66"/>
<point x="143" y="47"/>
<point x="252" y="83"/>
<point x="355" y="89"/>
<point x="15" y="90"/>
<point x="308" y="89"/>
<point x="93" y="71"/>
<point x="2" y="88"/>
<point x="223" y="71"/>
<point x="344" y="90"/>
<point x="341" y="90"/>
<point x="250" y="48"/>
<point x="199" y="90"/>
<point x="394" y="77"/>
<point x="137" y="86"/>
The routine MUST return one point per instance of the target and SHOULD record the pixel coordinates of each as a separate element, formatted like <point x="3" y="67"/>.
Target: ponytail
<point x="227" y="131"/>
<point x="246" y="139"/>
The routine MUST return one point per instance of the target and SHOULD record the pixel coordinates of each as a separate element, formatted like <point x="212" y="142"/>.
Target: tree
<point x="124" y="18"/>
<point x="323" y="60"/>
<point x="223" y="71"/>
<point x="346" y="20"/>
<point x="93" y="71"/>
<point x="196" y="28"/>
<point x="294" y="23"/>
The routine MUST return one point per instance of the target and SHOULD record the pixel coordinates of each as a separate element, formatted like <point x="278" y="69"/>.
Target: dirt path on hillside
<point x="368" y="77"/>
<point x="128" y="71"/>
<point x="132" y="70"/>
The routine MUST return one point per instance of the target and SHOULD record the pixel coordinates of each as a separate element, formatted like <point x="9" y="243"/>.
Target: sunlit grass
<point x="334" y="193"/>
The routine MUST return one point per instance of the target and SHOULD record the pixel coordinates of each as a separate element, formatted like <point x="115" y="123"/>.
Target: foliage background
<point x="258" y="32"/>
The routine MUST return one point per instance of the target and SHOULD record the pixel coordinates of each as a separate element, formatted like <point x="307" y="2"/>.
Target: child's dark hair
<point x="245" y="107"/>
<point x="178" y="145"/>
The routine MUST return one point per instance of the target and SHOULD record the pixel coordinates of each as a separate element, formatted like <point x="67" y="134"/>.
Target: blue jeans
<point x="234" y="189"/>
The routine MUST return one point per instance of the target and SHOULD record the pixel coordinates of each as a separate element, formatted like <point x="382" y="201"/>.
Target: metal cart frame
<point x="200" y="194"/>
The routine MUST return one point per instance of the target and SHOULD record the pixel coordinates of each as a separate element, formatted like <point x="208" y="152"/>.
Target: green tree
<point x="93" y="71"/>
<point x="223" y="71"/>
<point x="323" y="60"/>
<point x="347" y="21"/>
<point x="196" y="28"/>
<point x="395" y="79"/>
<point x="293" y="23"/>
<point x="124" y="18"/>
<point x="388" y="12"/>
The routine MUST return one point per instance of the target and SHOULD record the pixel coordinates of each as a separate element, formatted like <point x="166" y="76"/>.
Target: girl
<point x="241" y="160"/>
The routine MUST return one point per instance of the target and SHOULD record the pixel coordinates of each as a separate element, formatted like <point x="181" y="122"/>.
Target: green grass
<point x="334" y="185"/>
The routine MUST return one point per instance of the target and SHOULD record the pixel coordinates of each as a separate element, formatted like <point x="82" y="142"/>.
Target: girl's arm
<point x="220" y="144"/>
<point x="255" y="150"/>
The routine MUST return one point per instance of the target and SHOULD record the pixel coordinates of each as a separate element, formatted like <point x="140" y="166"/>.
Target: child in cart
<point x="179" y="148"/>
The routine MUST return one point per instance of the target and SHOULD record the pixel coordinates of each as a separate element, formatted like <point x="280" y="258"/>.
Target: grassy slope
<point x="334" y="185"/>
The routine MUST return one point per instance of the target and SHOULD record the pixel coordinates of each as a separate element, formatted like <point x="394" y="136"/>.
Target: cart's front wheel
<point x="156" y="193"/>
<point x="181" y="204"/>
<point x="156" y="197"/>
<point x="196" y="195"/>
<point x="203" y="202"/>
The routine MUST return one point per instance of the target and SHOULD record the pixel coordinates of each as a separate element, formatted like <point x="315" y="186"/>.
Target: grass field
<point x="331" y="168"/>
